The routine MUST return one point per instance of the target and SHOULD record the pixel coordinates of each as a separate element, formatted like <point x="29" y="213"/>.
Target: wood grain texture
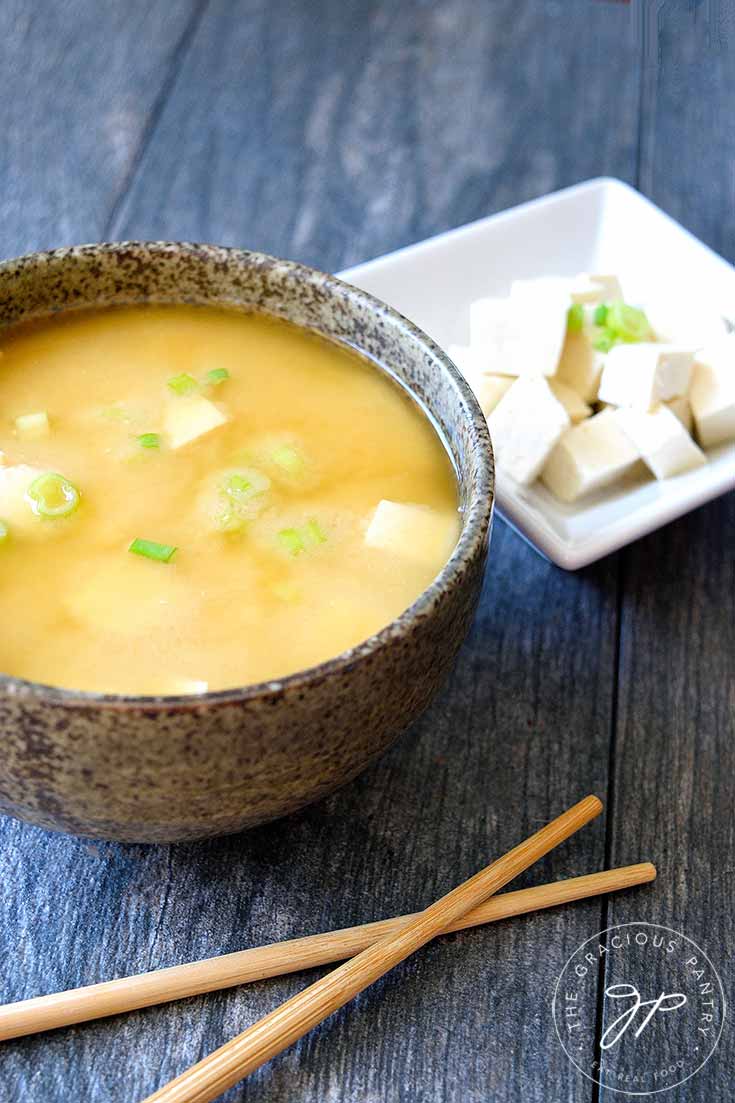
<point x="337" y="131"/>
<point x="332" y="132"/>
<point x="80" y="83"/>
<point x="674" y="750"/>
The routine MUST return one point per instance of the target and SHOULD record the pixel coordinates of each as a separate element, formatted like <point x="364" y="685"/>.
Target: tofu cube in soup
<point x="411" y="531"/>
<point x="190" y="417"/>
<point x="644" y="374"/>
<point x="525" y="426"/>
<point x="589" y="456"/>
<point x="712" y="393"/>
<point x="663" y="442"/>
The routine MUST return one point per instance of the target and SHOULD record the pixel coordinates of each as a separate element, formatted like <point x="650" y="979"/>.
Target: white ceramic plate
<point x="599" y="226"/>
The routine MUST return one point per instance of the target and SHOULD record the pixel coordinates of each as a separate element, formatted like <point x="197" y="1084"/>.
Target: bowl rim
<point x="476" y="518"/>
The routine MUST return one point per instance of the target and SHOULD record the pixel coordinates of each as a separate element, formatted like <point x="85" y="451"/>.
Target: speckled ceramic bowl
<point x="158" y="769"/>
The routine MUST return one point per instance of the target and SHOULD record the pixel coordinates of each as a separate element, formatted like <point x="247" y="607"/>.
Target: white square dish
<point x="599" y="226"/>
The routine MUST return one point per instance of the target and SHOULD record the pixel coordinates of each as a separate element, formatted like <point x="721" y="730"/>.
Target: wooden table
<point x="331" y="132"/>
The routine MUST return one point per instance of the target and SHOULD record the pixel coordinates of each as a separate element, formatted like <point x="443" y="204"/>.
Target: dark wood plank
<point x="675" y="752"/>
<point x="335" y="131"/>
<point x="79" y="85"/>
<point x="332" y="134"/>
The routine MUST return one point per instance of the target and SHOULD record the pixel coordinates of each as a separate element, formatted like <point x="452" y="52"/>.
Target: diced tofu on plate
<point x="663" y="442"/>
<point x="595" y="288"/>
<point x="525" y="333"/>
<point x="589" y="456"/>
<point x="575" y="406"/>
<point x="681" y="407"/>
<point x="712" y="393"/>
<point x="525" y="426"/>
<point x="644" y="374"/>
<point x="580" y="366"/>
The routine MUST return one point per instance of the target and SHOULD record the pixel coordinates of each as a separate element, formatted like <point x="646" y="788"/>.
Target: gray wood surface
<point x="332" y="132"/>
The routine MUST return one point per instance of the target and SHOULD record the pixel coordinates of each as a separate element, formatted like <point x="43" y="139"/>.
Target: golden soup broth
<point x="277" y="565"/>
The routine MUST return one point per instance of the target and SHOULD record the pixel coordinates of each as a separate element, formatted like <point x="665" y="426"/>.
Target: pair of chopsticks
<point x="378" y="948"/>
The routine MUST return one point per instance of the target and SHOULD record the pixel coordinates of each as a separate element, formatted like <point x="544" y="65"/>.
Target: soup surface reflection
<point x="197" y="499"/>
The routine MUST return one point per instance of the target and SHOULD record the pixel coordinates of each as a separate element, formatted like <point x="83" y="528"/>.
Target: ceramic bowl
<point x="160" y="769"/>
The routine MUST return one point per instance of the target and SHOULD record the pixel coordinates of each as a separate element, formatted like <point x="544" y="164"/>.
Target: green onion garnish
<point x="52" y="496"/>
<point x="313" y="533"/>
<point x="604" y="341"/>
<point x="183" y="384"/>
<point x="291" y="540"/>
<point x="628" y="323"/>
<point x="4" y="532"/>
<point x="288" y="458"/>
<point x="116" y="413"/>
<point x="600" y="315"/>
<point x="297" y="540"/>
<point x="149" y="440"/>
<point x="575" y="318"/>
<point x="216" y="376"/>
<point x="149" y="549"/>
<point x="237" y="485"/>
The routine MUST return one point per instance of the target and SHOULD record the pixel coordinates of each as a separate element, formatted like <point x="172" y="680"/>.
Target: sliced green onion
<point x="116" y="413"/>
<point x="604" y="341"/>
<point x="33" y="426"/>
<point x="288" y="458"/>
<point x="216" y="376"/>
<point x="297" y="540"/>
<point x="600" y="315"/>
<point x="291" y="540"/>
<point x="313" y="533"/>
<point x="4" y="532"/>
<point x="149" y="440"/>
<point x="575" y="318"/>
<point x="183" y="384"/>
<point x="237" y="485"/>
<point x="52" y="496"/>
<point x="627" y="322"/>
<point x="149" y="549"/>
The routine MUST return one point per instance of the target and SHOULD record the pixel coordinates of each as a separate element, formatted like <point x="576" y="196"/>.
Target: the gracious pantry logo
<point x="660" y="1014"/>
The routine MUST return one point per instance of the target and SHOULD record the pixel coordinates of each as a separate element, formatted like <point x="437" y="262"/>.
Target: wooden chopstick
<point x="96" y="1001"/>
<point x="221" y="1069"/>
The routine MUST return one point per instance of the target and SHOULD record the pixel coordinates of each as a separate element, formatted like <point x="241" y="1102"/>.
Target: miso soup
<point x="194" y="499"/>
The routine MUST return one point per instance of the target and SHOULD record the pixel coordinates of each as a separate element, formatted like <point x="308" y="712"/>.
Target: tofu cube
<point x="32" y="426"/>
<point x="663" y="442"/>
<point x="525" y="426"/>
<point x="468" y="359"/>
<point x="410" y="531"/>
<point x="595" y="288"/>
<point x="190" y="417"/>
<point x="524" y="334"/>
<point x="712" y="393"/>
<point x="642" y="375"/>
<point x="580" y="366"/>
<point x="681" y="407"/>
<point x="488" y="388"/>
<point x="575" y="406"/>
<point x="681" y="321"/>
<point x="591" y="455"/>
